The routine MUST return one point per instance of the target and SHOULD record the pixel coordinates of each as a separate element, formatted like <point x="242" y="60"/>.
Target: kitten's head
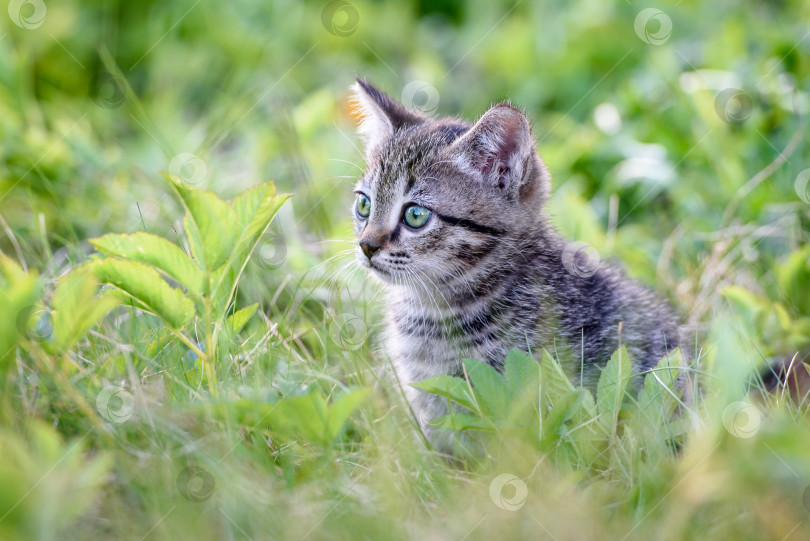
<point x="438" y="195"/>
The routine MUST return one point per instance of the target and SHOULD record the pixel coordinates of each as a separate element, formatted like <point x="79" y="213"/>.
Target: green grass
<point x="112" y="426"/>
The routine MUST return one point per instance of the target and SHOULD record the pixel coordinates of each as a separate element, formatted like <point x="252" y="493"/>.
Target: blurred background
<point x="675" y="133"/>
<point x="655" y="123"/>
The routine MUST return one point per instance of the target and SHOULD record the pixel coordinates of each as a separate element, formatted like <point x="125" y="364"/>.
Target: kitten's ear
<point x="380" y="115"/>
<point x="499" y="150"/>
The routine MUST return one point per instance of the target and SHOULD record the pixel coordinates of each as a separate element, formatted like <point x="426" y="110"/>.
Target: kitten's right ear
<point x="380" y="115"/>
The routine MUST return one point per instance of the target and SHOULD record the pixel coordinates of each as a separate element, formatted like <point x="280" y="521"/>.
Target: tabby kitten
<point x="449" y="216"/>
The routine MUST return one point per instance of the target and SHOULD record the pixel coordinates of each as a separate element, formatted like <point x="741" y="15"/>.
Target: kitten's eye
<point x="363" y="206"/>
<point x="416" y="216"/>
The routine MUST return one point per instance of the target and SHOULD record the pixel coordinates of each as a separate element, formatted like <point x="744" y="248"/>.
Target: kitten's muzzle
<point x="371" y="243"/>
<point x="370" y="248"/>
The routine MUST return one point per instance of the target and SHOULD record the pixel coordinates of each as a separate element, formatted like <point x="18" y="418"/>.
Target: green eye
<point x="416" y="216"/>
<point x="363" y="206"/>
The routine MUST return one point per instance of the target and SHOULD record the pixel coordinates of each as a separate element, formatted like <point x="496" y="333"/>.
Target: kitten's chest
<point x="437" y="340"/>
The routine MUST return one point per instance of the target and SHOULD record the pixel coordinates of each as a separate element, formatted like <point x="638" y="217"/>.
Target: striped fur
<point x="486" y="274"/>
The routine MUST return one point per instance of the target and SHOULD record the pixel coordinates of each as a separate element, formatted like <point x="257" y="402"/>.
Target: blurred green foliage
<point x="677" y="144"/>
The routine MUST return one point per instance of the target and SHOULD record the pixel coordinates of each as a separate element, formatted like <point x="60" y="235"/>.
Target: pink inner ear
<point x="487" y="164"/>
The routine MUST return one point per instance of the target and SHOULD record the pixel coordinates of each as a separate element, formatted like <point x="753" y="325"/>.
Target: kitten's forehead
<point x="410" y="158"/>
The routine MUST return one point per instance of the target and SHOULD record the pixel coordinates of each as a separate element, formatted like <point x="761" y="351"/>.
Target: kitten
<point x="449" y="216"/>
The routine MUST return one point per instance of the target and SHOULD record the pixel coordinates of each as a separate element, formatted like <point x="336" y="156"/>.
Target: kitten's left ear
<point x="380" y="115"/>
<point x="499" y="150"/>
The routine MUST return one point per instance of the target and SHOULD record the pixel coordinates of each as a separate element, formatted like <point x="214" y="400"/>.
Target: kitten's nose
<point x="369" y="247"/>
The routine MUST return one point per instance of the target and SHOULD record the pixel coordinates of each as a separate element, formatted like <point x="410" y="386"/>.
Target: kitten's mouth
<point x="378" y="269"/>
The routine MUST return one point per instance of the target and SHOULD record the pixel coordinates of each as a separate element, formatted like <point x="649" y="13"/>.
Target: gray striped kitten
<point x="449" y="216"/>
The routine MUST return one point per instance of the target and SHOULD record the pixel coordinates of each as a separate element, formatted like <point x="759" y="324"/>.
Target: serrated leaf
<point x="157" y="252"/>
<point x="76" y="307"/>
<point x="489" y="388"/>
<point x="210" y="224"/>
<point x="253" y="210"/>
<point x="611" y="387"/>
<point x="449" y="387"/>
<point x="144" y="284"/>
<point x="522" y="373"/>
<point x="554" y="380"/>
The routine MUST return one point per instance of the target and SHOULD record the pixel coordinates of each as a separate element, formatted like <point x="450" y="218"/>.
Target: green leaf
<point x="237" y="321"/>
<point x="144" y="284"/>
<point x="658" y="398"/>
<point x="793" y="277"/>
<point x="449" y="387"/>
<point x="253" y="211"/>
<point x="464" y="421"/>
<point x="610" y="389"/>
<point x="210" y="224"/>
<point x="342" y="408"/>
<point x="522" y="373"/>
<point x="157" y="252"/>
<point x="489" y="388"/>
<point x="77" y="307"/>
<point x="19" y="292"/>
<point x="303" y="416"/>
<point x="554" y="381"/>
<point x="564" y="408"/>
